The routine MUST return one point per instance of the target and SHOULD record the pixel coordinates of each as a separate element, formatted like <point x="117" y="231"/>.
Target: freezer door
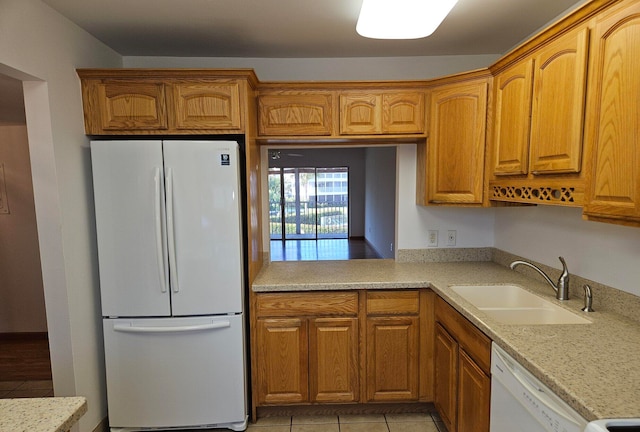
<point x="175" y="372"/>
<point x="129" y="203"/>
<point x="204" y="227"/>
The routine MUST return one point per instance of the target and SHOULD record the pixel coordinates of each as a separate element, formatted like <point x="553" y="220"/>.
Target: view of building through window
<point x="308" y="203"/>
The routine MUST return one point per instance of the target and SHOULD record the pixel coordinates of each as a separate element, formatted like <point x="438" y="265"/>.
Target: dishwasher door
<point x="520" y="402"/>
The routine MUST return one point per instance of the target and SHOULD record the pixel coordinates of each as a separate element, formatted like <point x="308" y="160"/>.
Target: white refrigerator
<point x="169" y="231"/>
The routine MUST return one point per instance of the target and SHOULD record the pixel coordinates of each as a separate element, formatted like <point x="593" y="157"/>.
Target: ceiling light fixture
<point x="402" y="19"/>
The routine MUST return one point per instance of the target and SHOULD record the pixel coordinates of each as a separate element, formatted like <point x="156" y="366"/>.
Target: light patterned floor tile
<point x="368" y="418"/>
<point x="364" y="427"/>
<point x="254" y="428"/>
<point x="421" y="426"/>
<point x="335" y="427"/>
<point x="409" y="417"/>
<point x="273" y="421"/>
<point x="319" y="419"/>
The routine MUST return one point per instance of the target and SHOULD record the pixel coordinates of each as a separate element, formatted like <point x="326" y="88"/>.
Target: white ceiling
<point x="296" y="28"/>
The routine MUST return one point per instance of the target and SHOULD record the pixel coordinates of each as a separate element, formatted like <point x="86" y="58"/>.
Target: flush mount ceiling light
<point x="402" y="19"/>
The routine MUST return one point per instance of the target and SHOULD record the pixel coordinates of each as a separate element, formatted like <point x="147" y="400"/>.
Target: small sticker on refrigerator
<point x="224" y="159"/>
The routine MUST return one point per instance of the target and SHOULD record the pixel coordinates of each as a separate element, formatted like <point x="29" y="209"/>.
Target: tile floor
<point x="24" y="389"/>
<point x="351" y="423"/>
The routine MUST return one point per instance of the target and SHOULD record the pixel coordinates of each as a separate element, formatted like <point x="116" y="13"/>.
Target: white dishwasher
<point x="520" y="402"/>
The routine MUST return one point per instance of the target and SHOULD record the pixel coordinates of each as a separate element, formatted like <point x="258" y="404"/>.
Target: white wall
<point x="474" y="226"/>
<point x="605" y="253"/>
<point x="380" y="200"/>
<point x="329" y="69"/>
<point x="42" y="47"/>
<point x="22" y="306"/>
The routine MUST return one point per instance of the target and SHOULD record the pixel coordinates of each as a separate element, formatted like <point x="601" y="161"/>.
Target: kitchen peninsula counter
<point x="593" y="367"/>
<point x="53" y="414"/>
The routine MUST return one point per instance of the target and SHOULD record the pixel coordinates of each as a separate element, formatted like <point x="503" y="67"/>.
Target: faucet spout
<point x="561" y="287"/>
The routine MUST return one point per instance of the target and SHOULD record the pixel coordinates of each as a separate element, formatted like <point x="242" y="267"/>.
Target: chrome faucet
<point x="561" y="287"/>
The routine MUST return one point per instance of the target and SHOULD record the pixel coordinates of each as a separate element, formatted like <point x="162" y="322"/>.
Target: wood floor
<point x="322" y="249"/>
<point x="25" y="366"/>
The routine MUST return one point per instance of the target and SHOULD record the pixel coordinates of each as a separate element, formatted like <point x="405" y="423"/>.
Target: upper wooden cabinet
<point x="360" y="114"/>
<point x="537" y="146"/>
<point x="557" y="115"/>
<point x="539" y="111"/>
<point x="121" y="106"/>
<point x="365" y="113"/>
<point x="340" y="110"/>
<point x="142" y="101"/>
<point x="613" y="176"/>
<point x="206" y="105"/>
<point x="512" y="117"/>
<point x="455" y="150"/>
<point x="288" y="113"/>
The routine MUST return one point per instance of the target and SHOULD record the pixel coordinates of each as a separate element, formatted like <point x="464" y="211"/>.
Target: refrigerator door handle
<point x="173" y="265"/>
<point x="174" y="329"/>
<point x="158" y="219"/>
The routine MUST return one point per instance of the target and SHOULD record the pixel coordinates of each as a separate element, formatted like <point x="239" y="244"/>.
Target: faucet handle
<point x="565" y="269"/>
<point x="588" y="299"/>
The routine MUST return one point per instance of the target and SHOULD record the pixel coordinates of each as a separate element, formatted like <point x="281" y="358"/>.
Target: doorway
<point x="25" y="360"/>
<point x="308" y="203"/>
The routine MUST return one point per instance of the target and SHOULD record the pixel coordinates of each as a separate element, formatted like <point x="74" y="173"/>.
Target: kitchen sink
<point x="512" y="304"/>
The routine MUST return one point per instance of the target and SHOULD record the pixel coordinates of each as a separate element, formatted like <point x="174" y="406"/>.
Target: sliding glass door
<point x="308" y="203"/>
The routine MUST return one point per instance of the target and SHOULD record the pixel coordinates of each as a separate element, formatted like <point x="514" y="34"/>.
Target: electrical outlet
<point x="451" y="238"/>
<point x="433" y="238"/>
<point x="391" y="247"/>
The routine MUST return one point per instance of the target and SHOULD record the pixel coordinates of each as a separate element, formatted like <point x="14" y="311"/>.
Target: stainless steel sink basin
<point x="512" y="304"/>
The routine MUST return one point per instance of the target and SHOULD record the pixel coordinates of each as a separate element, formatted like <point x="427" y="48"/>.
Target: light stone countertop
<point x="54" y="414"/>
<point x="594" y="367"/>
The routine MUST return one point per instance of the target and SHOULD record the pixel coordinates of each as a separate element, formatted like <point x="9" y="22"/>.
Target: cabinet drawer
<point x="473" y="341"/>
<point x="393" y="303"/>
<point x="312" y="303"/>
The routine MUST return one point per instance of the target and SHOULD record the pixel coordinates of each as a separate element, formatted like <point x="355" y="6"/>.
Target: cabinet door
<point x="202" y="105"/>
<point x="474" y="391"/>
<point x="446" y="377"/>
<point x="130" y="106"/>
<point x="456" y="148"/>
<point x="295" y="114"/>
<point x="558" y="104"/>
<point x="282" y="358"/>
<point x="333" y="360"/>
<point x="403" y="113"/>
<point x="613" y="111"/>
<point x="360" y="114"/>
<point x="512" y="119"/>
<point x="392" y="358"/>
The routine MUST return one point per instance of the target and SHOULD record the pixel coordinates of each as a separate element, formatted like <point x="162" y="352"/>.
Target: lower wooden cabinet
<point x="474" y="392"/>
<point x="446" y="378"/>
<point x="282" y="346"/>
<point x="343" y="347"/>
<point x="392" y="341"/>
<point x="462" y="372"/>
<point x="333" y="360"/>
